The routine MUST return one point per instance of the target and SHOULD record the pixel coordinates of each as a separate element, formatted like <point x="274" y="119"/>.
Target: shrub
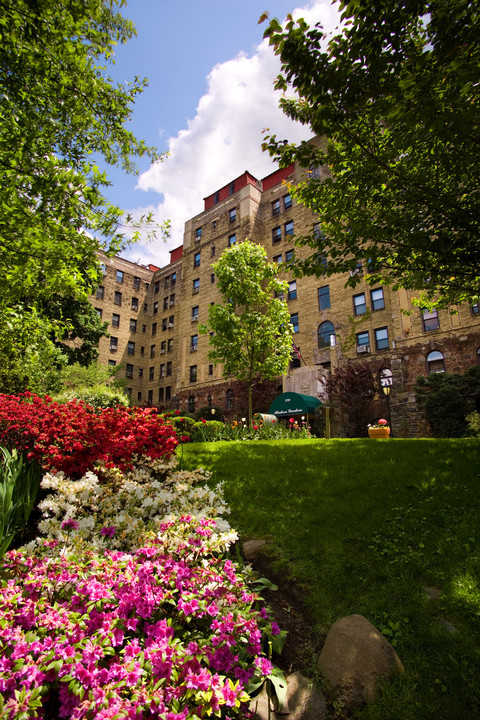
<point x="447" y="399"/>
<point x="74" y="437"/>
<point x="208" y="431"/>
<point x="172" y="631"/>
<point x="98" y="396"/>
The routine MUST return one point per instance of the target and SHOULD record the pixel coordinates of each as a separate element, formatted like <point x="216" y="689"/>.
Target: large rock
<point x="356" y="657"/>
<point x="304" y="702"/>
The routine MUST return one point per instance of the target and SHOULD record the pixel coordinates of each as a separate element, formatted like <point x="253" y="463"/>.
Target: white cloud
<point x="224" y="138"/>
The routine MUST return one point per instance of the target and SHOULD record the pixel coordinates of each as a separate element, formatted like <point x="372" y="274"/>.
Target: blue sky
<point x="210" y="95"/>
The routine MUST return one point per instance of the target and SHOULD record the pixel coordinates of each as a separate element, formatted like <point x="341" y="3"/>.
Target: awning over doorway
<point x="290" y="403"/>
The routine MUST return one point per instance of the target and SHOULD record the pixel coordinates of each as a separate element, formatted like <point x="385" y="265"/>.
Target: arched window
<point x="325" y="332"/>
<point x="191" y="404"/>
<point x="435" y="362"/>
<point x="230" y="399"/>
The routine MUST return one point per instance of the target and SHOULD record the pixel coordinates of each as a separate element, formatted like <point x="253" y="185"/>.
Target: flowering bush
<point x="382" y="423"/>
<point x="170" y="632"/>
<point x="119" y="509"/>
<point x="74" y="437"/>
<point x="212" y="430"/>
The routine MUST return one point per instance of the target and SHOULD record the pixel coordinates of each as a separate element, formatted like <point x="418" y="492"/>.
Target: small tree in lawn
<point x="252" y="331"/>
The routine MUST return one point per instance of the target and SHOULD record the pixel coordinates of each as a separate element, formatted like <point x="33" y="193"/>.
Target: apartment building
<point x="154" y="313"/>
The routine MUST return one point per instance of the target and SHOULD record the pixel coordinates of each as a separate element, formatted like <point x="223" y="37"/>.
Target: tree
<point x="61" y="114"/>
<point x="252" y="331"/>
<point x="396" y="100"/>
<point x="352" y="389"/>
<point x="447" y="398"/>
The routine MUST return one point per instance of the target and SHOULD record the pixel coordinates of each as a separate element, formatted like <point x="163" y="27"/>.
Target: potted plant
<point x="379" y="430"/>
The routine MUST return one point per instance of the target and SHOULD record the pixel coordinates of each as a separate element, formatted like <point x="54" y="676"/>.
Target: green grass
<point x="363" y="526"/>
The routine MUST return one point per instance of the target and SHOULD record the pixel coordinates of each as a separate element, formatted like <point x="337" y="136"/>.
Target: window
<point x="193" y="373"/>
<point x="359" y="304"/>
<point x="277" y="259"/>
<point x="210" y="370"/>
<point x="212" y="278"/>
<point x="103" y="268"/>
<point x="230" y="399"/>
<point x="166" y="282"/>
<point x="139" y="396"/>
<point x="378" y="301"/>
<point x="151" y="373"/>
<point x="325" y="332"/>
<point x="164" y="324"/>
<point x="289" y="227"/>
<point x="231" y="188"/>
<point x="475" y="308"/>
<point x="315" y="172"/>
<point x="117" y="299"/>
<point x="232" y="240"/>
<point x="214" y="224"/>
<point x="155" y="307"/>
<point x="112" y="363"/>
<point x="144" y="328"/>
<point x="196" y="286"/>
<point x="170" y="321"/>
<point x="133" y="325"/>
<point x="142" y="351"/>
<point x="232" y="214"/>
<point x="145" y="307"/>
<point x="174" y="278"/>
<point x="140" y="372"/>
<point x="169" y="345"/>
<point x="99" y="312"/>
<point x="100" y="292"/>
<point x="194" y="343"/>
<point x="163" y="347"/>
<point x="162" y="370"/>
<point x="152" y="351"/>
<point x="430" y="320"/>
<point x="435" y="362"/>
<point x="287" y="201"/>
<point x="363" y="341"/>
<point x="165" y="303"/>
<point x="119" y="276"/>
<point x="130" y="348"/>
<point x="276" y="234"/>
<point x="156" y="287"/>
<point x="161" y="392"/>
<point x="169" y="368"/>
<point x="294" y="322"/>
<point x="172" y="300"/>
<point x="154" y="329"/>
<point x="195" y="313"/>
<point x="113" y="344"/>
<point x="289" y="255"/>
<point x="134" y="305"/>
<point x="136" y="283"/>
<point x="168" y="392"/>
<point x="191" y="404"/>
<point x="196" y="260"/>
<point x="381" y="338"/>
<point x="276" y="207"/>
<point x="198" y="234"/>
<point x="216" y="197"/>
<point x="292" y="290"/>
<point x="129" y="371"/>
<point x="150" y="396"/>
<point x="212" y="251"/>
<point x="324" y="297"/>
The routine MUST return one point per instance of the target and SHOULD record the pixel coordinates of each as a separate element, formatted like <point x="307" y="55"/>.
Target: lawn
<point x="364" y="526"/>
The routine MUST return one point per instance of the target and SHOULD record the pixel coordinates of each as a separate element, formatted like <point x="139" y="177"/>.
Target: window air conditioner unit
<point x="195" y="291"/>
<point x="357" y="271"/>
<point x="170" y="325"/>
<point x="363" y="349"/>
<point x="194" y="318"/>
<point x="113" y="349"/>
<point x="193" y="349"/>
<point x="162" y="352"/>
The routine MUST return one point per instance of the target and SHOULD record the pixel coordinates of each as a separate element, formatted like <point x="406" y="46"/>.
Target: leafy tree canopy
<point x="60" y="114"/>
<point x="447" y="399"/>
<point x="252" y="331"/>
<point x="395" y="97"/>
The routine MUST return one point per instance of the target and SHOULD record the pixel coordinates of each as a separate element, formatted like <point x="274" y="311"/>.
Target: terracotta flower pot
<point x="379" y="433"/>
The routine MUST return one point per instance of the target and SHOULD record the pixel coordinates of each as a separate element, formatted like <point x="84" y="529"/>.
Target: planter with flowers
<point x="379" y="430"/>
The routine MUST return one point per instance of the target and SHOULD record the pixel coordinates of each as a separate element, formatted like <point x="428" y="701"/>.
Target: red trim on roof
<point x="277" y="176"/>
<point x="176" y="254"/>
<point x="227" y="190"/>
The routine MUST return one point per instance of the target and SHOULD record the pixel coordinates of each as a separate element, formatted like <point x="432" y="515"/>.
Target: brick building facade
<point x="154" y="313"/>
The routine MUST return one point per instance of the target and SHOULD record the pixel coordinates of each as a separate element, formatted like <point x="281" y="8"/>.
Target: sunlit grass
<point x="364" y="526"/>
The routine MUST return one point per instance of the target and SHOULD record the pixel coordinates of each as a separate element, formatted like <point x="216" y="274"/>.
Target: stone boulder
<point x="304" y="702"/>
<point x="355" y="659"/>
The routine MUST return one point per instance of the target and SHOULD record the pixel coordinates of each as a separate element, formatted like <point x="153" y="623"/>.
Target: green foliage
<point x="212" y="413"/>
<point x="94" y="384"/>
<point x="252" y="330"/>
<point x="395" y="98"/>
<point x="183" y="424"/>
<point x="352" y="389"/>
<point x="447" y="398"/>
<point x="60" y="114"/>
<point x="98" y="396"/>
<point x="473" y="420"/>
<point x="207" y="431"/>
<point x="19" y="485"/>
